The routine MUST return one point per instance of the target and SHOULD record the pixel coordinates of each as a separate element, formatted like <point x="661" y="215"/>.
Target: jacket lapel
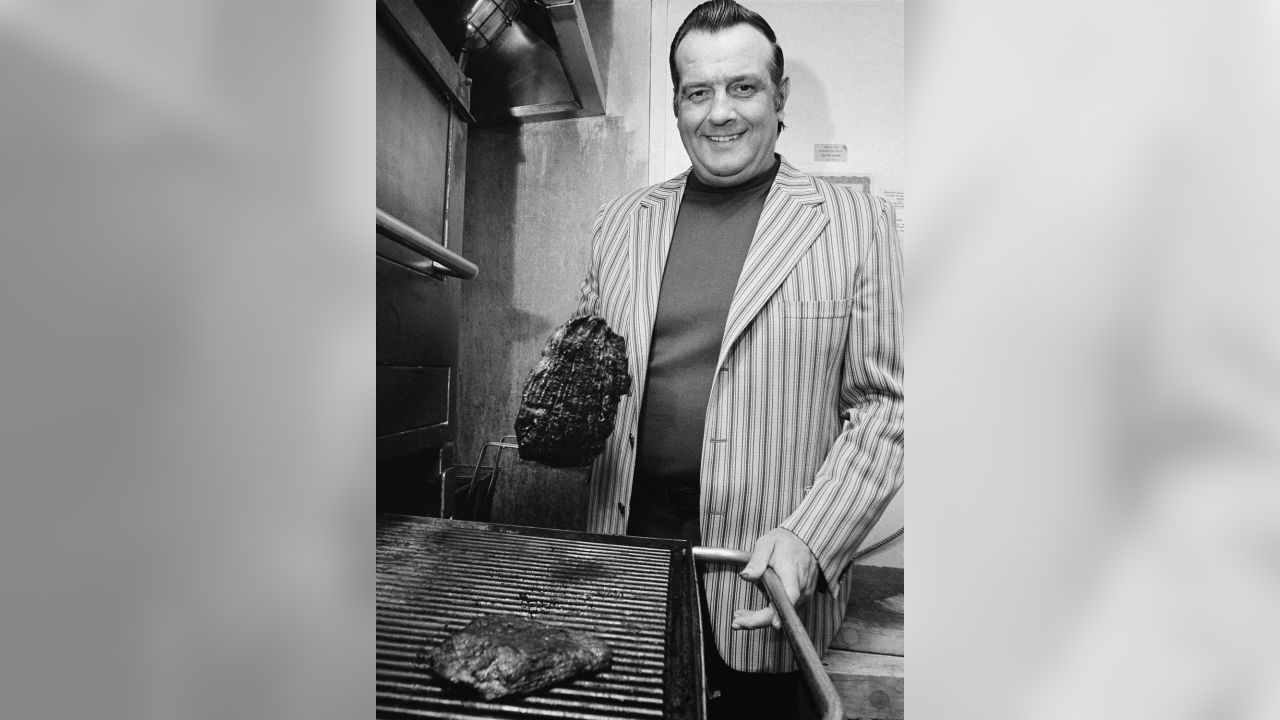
<point x="655" y="224"/>
<point x="791" y="220"/>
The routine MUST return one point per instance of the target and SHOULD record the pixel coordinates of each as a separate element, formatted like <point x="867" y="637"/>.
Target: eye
<point x="697" y="94"/>
<point x="743" y="89"/>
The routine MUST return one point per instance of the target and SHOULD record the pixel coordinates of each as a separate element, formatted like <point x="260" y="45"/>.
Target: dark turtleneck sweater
<point x="712" y="236"/>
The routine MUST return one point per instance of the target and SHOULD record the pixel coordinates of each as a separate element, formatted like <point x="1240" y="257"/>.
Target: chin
<point x="726" y="171"/>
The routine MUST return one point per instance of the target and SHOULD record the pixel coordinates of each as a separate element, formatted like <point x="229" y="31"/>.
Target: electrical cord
<point x="888" y="539"/>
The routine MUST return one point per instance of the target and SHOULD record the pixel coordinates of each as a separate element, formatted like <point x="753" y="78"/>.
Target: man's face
<point x="726" y="106"/>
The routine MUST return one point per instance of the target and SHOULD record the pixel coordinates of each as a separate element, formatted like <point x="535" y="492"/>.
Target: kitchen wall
<point x="532" y="192"/>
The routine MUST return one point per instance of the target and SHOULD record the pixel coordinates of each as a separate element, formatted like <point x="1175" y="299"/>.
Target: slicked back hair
<point x="714" y="16"/>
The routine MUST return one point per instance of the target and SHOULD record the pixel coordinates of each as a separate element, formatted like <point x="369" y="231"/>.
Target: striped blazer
<point x="804" y="426"/>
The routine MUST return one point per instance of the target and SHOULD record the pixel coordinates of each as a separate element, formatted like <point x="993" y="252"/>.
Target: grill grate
<point x="435" y="576"/>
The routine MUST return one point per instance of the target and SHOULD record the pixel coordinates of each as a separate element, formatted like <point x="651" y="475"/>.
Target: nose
<point x="723" y="109"/>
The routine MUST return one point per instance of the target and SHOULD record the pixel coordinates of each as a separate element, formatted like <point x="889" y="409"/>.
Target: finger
<point x="759" y="560"/>
<point x="788" y="576"/>
<point x="789" y="588"/>
<point x="791" y="585"/>
<point x="755" y="619"/>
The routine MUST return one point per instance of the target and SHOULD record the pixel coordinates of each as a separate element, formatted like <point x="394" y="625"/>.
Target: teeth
<point x="723" y="138"/>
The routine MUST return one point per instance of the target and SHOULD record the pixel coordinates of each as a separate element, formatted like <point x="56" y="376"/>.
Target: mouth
<point x="723" y="138"/>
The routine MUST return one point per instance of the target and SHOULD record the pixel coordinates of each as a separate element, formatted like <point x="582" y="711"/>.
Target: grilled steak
<point x="570" y="400"/>
<point x="499" y="655"/>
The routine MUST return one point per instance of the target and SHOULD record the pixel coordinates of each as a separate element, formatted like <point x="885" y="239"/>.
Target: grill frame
<point x="435" y="575"/>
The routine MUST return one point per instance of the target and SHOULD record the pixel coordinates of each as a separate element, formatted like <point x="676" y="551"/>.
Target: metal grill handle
<point x="829" y="704"/>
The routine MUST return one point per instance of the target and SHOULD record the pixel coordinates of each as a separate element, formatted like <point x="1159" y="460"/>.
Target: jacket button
<point x="622" y="509"/>
<point x="631" y="438"/>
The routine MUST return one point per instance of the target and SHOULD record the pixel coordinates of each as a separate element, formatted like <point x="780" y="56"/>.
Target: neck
<point x="764" y="177"/>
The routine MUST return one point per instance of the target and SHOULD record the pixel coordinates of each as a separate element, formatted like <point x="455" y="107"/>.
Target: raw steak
<point x="501" y="655"/>
<point x="570" y="400"/>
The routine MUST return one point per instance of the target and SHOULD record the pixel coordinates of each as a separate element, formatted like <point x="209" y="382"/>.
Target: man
<point x="762" y="312"/>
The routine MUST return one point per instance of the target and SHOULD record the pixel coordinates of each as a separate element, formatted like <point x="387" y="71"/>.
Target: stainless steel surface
<point x="543" y="67"/>
<point x="434" y="576"/>
<point x="432" y="256"/>
<point x="829" y="703"/>
<point x="578" y="55"/>
<point x="455" y="192"/>
<point x="407" y="18"/>
<point x="423" y="102"/>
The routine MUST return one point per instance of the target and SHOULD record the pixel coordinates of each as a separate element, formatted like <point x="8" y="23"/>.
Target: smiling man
<point x="728" y="103"/>
<point x="762" y="311"/>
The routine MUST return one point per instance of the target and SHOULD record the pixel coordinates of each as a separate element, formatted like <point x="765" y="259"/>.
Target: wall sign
<point x="830" y="152"/>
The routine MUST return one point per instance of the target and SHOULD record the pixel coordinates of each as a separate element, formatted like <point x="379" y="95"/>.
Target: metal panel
<point x="578" y="55"/>
<point x="410" y="441"/>
<point x="411" y="397"/>
<point x="455" y="190"/>
<point x="413" y="130"/>
<point x="417" y="318"/>
<point x="423" y="107"/>
<point x="405" y="19"/>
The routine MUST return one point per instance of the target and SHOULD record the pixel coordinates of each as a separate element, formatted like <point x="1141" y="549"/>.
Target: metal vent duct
<point x="529" y="60"/>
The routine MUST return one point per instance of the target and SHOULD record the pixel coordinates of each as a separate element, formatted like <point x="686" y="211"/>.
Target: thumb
<point x="754" y="568"/>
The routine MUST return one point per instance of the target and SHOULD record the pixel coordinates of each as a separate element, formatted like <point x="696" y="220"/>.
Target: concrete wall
<point x="532" y="192"/>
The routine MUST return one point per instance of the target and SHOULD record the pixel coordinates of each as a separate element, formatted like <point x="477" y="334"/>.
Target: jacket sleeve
<point x="589" y="299"/>
<point x="863" y="469"/>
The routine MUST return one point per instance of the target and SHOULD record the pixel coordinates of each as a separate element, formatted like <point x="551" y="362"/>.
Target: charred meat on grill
<point x="499" y="655"/>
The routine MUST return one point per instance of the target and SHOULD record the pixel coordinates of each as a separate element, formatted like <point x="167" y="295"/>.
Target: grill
<point x="637" y="594"/>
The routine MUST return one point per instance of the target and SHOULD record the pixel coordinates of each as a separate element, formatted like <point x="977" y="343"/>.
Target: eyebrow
<point x="684" y="86"/>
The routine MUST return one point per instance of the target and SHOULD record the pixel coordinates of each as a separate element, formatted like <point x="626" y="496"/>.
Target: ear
<point x="784" y="89"/>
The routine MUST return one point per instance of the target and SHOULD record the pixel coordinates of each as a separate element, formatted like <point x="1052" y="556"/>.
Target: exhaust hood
<point x="528" y="60"/>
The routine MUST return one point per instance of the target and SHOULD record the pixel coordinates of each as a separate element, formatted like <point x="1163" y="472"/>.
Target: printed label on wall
<point x="830" y="152"/>
<point x="898" y="199"/>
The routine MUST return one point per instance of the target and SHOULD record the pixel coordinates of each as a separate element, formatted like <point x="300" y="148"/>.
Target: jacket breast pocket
<point x="817" y="308"/>
<point x="811" y="344"/>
